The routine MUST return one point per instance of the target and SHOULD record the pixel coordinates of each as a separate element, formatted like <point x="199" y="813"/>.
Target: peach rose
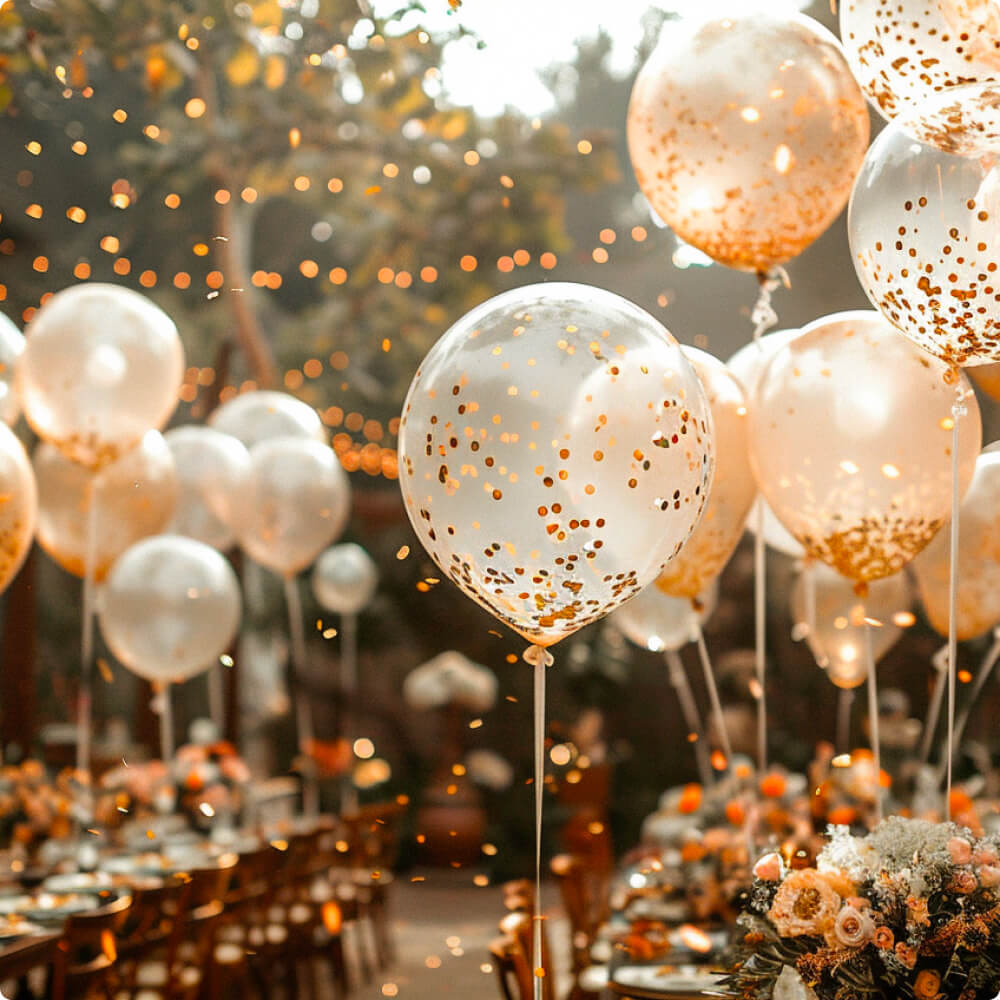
<point x="926" y="985"/>
<point x="852" y="928"/>
<point x="906" y="954"/>
<point x="768" y="868"/>
<point x="989" y="876"/>
<point x="884" y="938"/>
<point x="805" y="903"/>
<point x="960" y="850"/>
<point x="985" y="855"/>
<point x="964" y="882"/>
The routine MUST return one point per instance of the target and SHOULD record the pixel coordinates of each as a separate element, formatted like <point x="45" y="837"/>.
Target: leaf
<point x="243" y="67"/>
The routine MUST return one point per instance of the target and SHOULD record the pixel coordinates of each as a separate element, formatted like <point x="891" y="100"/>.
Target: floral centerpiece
<point x="34" y="807"/>
<point x="911" y="910"/>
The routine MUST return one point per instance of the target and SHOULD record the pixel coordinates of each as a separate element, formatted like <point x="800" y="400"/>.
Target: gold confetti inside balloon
<point x="102" y="365"/>
<point x="555" y="452"/>
<point x="978" y="579"/>
<point x="707" y="551"/>
<point x="658" y="622"/>
<point x="904" y="51"/>
<point x="295" y="502"/>
<point x="18" y="506"/>
<point x="837" y="639"/>
<point x="170" y="607"/>
<point x="133" y="497"/>
<point x="850" y="441"/>
<point x="746" y="364"/>
<point x="924" y="224"/>
<point x="745" y="134"/>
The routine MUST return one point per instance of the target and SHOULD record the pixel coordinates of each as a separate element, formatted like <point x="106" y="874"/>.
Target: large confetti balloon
<point x="977" y="608"/>
<point x="656" y="621"/>
<point x="102" y="366"/>
<point x="11" y="349"/>
<point x="987" y="378"/>
<point x="171" y="606"/>
<point x="257" y="416"/>
<point x="555" y="452"/>
<point x="850" y="441"/>
<point x="295" y="502"/>
<point x="344" y="579"/>
<point x="903" y="52"/>
<point x="924" y="224"/>
<point x="745" y="134"/>
<point x="837" y="634"/>
<point x="746" y="364"/>
<point x="733" y="487"/>
<point x="19" y="508"/>
<point x="132" y="498"/>
<point x="212" y="468"/>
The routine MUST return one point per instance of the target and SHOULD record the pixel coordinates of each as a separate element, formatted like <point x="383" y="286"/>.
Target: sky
<point x="523" y="36"/>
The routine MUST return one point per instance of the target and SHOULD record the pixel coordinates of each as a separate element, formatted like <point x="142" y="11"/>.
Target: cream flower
<point x="852" y="928"/>
<point x="804" y="904"/>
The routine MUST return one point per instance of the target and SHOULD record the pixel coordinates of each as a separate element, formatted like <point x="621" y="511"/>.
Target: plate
<point x="78" y="882"/>
<point x="679" y="983"/>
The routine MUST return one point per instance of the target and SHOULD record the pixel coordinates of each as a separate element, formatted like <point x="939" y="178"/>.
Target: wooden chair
<point x="87" y="954"/>
<point x="584" y="893"/>
<point x="25" y="958"/>
<point x="512" y="956"/>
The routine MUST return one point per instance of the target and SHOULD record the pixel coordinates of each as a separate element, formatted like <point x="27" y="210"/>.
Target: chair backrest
<point x="372" y="834"/>
<point x="517" y="929"/>
<point x="151" y="922"/>
<point x="584" y="893"/>
<point x="88" y="950"/>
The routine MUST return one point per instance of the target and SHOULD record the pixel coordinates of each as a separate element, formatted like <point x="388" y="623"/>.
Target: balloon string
<point x="85" y="710"/>
<point x="689" y="709"/>
<point x="985" y="670"/>
<point x="845" y="702"/>
<point x="713" y="694"/>
<point x="760" y="633"/>
<point x="348" y="693"/>
<point x="810" y="587"/>
<point x="217" y="698"/>
<point x="873" y="720"/>
<point x="763" y="315"/>
<point x="303" y="710"/>
<point x="539" y="658"/>
<point x="957" y="412"/>
<point x="940" y="663"/>
<point x="166" y="713"/>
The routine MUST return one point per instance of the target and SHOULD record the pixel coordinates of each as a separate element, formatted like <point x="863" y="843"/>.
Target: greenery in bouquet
<point x="912" y="909"/>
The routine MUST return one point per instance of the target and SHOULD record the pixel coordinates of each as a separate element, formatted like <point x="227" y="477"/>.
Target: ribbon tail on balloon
<point x="873" y="718"/>
<point x="713" y="694"/>
<point x="348" y="694"/>
<point x="85" y="716"/>
<point x="679" y="680"/>
<point x="303" y="709"/>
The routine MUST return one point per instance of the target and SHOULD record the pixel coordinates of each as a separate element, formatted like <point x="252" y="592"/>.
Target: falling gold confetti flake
<point x="373" y="189"/>
<point x="106" y="675"/>
<point x="329" y="633"/>
<point x="476" y="724"/>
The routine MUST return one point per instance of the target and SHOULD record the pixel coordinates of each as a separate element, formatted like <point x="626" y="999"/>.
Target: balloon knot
<point x="534" y="654"/>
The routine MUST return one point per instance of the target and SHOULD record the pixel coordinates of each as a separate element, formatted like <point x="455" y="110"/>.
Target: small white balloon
<point x="170" y="607"/>
<point x="344" y="579"/>
<point x="656" y="621"/>
<point x="212" y="468"/>
<point x="11" y="349"/>
<point x="252" y="417"/>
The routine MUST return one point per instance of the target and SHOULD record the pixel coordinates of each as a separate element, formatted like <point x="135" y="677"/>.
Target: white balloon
<point x="344" y="579"/>
<point x="212" y="468"/>
<point x="258" y="416"/>
<point x="170" y="607"/>
<point x="747" y="364"/>
<point x="11" y="349"/>
<point x="658" y="622"/>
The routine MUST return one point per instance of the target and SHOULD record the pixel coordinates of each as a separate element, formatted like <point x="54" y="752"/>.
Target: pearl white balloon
<point x="102" y="365"/>
<point x="134" y="496"/>
<point x="344" y="579"/>
<point x="296" y="502"/>
<point x="555" y="452"/>
<point x="19" y="509"/>
<point x="658" y="622"/>
<point x="170" y="607"/>
<point x="747" y="364"/>
<point x="11" y="349"/>
<point x="212" y="468"/>
<point x="252" y="417"/>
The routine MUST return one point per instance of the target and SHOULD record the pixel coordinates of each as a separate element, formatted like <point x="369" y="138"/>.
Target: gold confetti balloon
<point x="170" y="607"/>
<point x="130" y="499"/>
<point x="924" y="224"/>
<point x="102" y="365"/>
<point x="257" y="416"/>
<point x="555" y="452"/>
<point x="850" y="441"/>
<point x="18" y="506"/>
<point x="978" y="580"/>
<point x="837" y="636"/>
<point x="745" y="134"/>
<point x="707" y="551"/>
<point x="987" y="378"/>
<point x="903" y="52"/>
<point x="656" y="621"/>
